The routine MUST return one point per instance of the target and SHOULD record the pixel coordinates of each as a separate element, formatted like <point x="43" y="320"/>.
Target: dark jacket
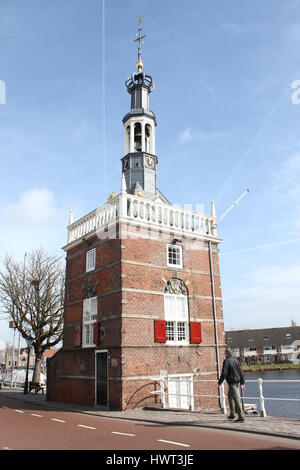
<point x="232" y="372"/>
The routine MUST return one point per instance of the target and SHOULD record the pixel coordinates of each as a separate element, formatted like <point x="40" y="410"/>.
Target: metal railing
<point x="261" y="397"/>
<point x="221" y="396"/>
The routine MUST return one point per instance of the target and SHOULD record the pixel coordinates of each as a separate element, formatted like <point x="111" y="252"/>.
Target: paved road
<point x="30" y="427"/>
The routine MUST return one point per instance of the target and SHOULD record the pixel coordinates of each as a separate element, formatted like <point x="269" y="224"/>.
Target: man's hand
<point x="243" y="387"/>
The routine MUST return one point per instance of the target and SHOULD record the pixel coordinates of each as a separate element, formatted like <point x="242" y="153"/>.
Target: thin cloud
<point x="34" y="206"/>
<point x="250" y="149"/>
<point x="34" y="220"/>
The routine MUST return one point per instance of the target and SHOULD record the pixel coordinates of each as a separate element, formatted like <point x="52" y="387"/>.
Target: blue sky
<point x="226" y="121"/>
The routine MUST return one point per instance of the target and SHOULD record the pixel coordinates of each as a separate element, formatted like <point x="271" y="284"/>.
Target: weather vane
<point x="140" y="39"/>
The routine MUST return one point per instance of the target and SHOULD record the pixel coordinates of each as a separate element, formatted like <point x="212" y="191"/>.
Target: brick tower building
<point x="143" y="309"/>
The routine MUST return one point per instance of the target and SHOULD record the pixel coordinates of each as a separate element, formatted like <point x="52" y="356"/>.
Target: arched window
<point x="176" y="312"/>
<point x="148" y="138"/>
<point x="127" y="140"/>
<point x="138" y="137"/>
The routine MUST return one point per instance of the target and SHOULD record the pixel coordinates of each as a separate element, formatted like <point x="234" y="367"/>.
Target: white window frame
<point x="179" y="398"/>
<point x="88" y="254"/>
<point x="176" y="316"/>
<point x="171" y="265"/>
<point x="89" y="317"/>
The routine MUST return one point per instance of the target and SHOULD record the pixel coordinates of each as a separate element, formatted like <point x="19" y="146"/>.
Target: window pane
<point x="176" y="307"/>
<point x="174" y="255"/>
<point x="88" y="335"/>
<point x="86" y="310"/>
<point x="181" y="328"/>
<point x="170" y="330"/>
<point x="90" y="259"/>
<point x="94" y="308"/>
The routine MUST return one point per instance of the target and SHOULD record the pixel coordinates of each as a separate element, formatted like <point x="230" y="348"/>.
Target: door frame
<point x="101" y="351"/>
<point x="190" y="377"/>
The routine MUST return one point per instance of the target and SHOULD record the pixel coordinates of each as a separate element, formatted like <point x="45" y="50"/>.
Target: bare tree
<point x="32" y="295"/>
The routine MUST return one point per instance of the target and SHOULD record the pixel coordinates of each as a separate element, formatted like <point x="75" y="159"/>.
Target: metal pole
<point x="19" y="347"/>
<point x="221" y="391"/>
<point x="233" y="205"/>
<point x="26" y="379"/>
<point x="242" y="398"/>
<point x="13" y="358"/>
<point x="215" y="316"/>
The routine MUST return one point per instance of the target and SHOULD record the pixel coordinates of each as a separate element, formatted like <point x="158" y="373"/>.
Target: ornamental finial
<point x="71" y="217"/>
<point x="140" y="39"/>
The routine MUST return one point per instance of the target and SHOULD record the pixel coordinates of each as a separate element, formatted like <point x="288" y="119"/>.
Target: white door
<point x="180" y="392"/>
<point x="185" y="391"/>
<point x="173" y="392"/>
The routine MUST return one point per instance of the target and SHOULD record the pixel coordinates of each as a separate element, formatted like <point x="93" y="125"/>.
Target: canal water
<point x="275" y="390"/>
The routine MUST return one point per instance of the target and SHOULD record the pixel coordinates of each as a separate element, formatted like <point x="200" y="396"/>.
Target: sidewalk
<point x="270" y="426"/>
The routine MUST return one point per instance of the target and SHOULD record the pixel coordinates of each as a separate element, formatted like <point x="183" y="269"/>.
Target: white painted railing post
<point x="223" y="399"/>
<point x="123" y="206"/>
<point x="263" y="412"/>
<point x="162" y="391"/>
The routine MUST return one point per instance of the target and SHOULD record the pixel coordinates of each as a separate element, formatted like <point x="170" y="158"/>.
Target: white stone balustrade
<point x="126" y="207"/>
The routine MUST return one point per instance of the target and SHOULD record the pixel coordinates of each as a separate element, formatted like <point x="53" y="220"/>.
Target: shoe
<point x="239" y="420"/>
<point x="230" y="417"/>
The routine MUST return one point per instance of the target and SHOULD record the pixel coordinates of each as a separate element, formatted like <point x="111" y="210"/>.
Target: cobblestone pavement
<point x="274" y="426"/>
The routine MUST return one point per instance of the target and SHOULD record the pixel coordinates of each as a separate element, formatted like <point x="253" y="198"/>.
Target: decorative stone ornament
<point x="89" y="290"/>
<point x="176" y="286"/>
<point x="101" y="334"/>
<point x="126" y="164"/>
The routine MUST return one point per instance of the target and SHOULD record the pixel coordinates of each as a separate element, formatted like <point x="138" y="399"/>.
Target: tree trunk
<point x="37" y="368"/>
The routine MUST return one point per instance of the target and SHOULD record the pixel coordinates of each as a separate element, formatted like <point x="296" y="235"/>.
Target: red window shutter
<point x="77" y="336"/>
<point x="196" y="333"/>
<point x="160" y="333"/>
<point x="96" y="333"/>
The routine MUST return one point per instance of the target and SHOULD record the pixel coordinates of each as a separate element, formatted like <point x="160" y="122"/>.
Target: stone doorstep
<point x="212" y="420"/>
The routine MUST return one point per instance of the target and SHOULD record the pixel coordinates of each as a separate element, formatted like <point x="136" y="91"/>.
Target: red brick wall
<point x="144" y="267"/>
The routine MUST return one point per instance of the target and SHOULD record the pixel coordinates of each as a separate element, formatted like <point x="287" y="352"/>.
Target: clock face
<point x="149" y="162"/>
<point x="125" y="164"/>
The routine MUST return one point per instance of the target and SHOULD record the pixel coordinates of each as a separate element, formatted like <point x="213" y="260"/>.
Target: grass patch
<point x="263" y="367"/>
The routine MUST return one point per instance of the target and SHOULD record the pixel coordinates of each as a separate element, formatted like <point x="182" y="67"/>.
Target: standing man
<point x="233" y="374"/>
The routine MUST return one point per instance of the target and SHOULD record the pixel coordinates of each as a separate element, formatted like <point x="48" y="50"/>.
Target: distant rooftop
<point x="264" y="336"/>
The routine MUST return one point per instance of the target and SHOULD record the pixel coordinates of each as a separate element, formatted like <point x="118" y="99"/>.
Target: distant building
<point x="21" y="361"/>
<point x="11" y="359"/>
<point x="266" y="346"/>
